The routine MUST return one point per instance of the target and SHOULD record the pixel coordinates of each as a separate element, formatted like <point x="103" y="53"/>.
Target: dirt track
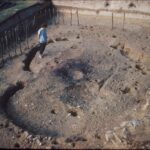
<point x="91" y="90"/>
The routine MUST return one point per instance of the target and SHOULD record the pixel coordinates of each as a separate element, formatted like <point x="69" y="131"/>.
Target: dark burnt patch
<point x="10" y="91"/>
<point x="73" y="71"/>
<point x="74" y="96"/>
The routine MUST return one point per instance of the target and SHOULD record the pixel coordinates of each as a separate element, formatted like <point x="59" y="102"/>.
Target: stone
<point x="97" y="136"/>
<point x="117" y="138"/>
<point x="78" y="36"/>
<point x="38" y="142"/>
<point x="109" y="135"/>
<point x="126" y="90"/>
<point x="6" y="125"/>
<point x="77" y="75"/>
<point x="50" y="41"/>
<point x="74" y="47"/>
<point x="26" y="134"/>
<point x="114" y="44"/>
<point x="16" y="145"/>
<point x="49" y="138"/>
<point x="136" y="123"/>
<point x="75" y="138"/>
<point x="125" y="133"/>
<point x="29" y="137"/>
<point x="61" y="39"/>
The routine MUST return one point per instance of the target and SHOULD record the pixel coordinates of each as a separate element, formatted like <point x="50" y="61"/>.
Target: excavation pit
<point x="82" y="92"/>
<point x="73" y="71"/>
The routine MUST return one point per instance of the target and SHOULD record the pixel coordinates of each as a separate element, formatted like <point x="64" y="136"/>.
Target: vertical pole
<point x="78" y="17"/>
<point x="49" y="12"/>
<point x="112" y="21"/>
<point x="2" y="42"/>
<point x="15" y="35"/>
<point x="63" y="18"/>
<point x="7" y="42"/>
<point x="124" y="18"/>
<point x="14" y="40"/>
<point x="27" y="35"/>
<point x="18" y="36"/>
<point x="45" y="13"/>
<point x="71" y="17"/>
<point x="55" y="15"/>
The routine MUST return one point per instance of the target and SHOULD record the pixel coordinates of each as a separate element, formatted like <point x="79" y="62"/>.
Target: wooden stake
<point x="55" y="15"/>
<point x="14" y="40"/>
<point x="19" y="38"/>
<point x="112" y="21"/>
<point x="124" y="18"/>
<point x="7" y="42"/>
<point x="71" y="18"/>
<point x="27" y="35"/>
<point x="2" y="49"/>
<point x="63" y="19"/>
<point x="78" y="17"/>
<point x="15" y="35"/>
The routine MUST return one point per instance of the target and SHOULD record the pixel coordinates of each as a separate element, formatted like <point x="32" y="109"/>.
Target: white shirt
<point x="42" y="33"/>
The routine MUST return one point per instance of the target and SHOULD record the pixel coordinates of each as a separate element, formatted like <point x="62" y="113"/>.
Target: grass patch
<point x="20" y="4"/>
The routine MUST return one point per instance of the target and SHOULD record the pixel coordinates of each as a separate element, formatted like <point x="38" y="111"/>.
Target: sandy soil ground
<point x="90" y="90"/>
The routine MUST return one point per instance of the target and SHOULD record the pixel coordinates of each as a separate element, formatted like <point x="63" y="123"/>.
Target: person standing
<point x="42" y="35"/>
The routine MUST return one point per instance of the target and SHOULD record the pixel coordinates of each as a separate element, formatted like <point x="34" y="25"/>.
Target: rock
<point x="48" y="147"/>
<point x="74" y="47"/>
<point x="61" y="39"/>
<point x="123" y="124"/>
<point x="53" y="111"/>
<point x="17" y="145"/>
<point x="72" y="113"/>
<point x="26" y="134"/>
<point x="77" y="75"/>
<point x="97" y="136"/>
<point x="50" y="41"/>
<point x="126" y="90"/>
<point x="78" y="36"/>
<point x="117" y="138"/>
<point x="38" y="142"/>
<point x="136" y="123"/>
<point x="114" y="44"/>
<point x="49" y="138"/>
<point x="30" y="137"/>
<point x="114" y="36"/>
<point x="54" y="141"/>
<point x="6" y="125"/>
<point x="116" y="128"/>
<point x="139" y="67"/>
<point x="75" y="138"/>
<point x="126" y="133"/>
<point x="109" y="135"/>
<point x="147" y="100"/>
<point x="1" y="125"/>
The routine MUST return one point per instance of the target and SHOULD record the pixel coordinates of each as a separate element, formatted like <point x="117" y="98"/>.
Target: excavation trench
<point x="4" y="106"/>
<point x="74" y="73"/>
<point x="4" y="99"/>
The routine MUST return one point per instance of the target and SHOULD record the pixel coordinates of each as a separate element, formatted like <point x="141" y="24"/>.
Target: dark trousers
<point x="42" y="47"/>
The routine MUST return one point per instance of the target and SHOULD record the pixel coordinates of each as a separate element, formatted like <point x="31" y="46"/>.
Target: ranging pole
<point x="78" y="17"/>
<point x="112" y="20"/>
<point x="124" y="18"/>
<point x="71" y="17"/>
